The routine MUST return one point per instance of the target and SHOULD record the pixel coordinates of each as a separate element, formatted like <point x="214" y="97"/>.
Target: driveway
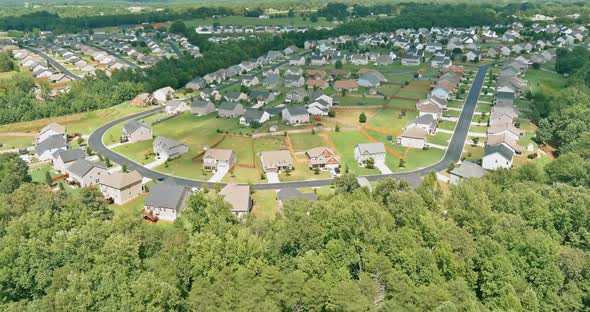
<point x="219" y="174"/>
<point x="272" y="177"/>
<point x="383" y="168"/>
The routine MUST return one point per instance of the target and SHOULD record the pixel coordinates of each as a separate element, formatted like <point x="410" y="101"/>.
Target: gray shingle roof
<point x="166" y="195"/>
<point x="469" y="169"/>
<point x="253" y="114"/>
<point x="297" y="110"/>
<point x="500" y="149"/>
<point x="82" y="166"/>
<point x="52" y="142"/>
<point x="69" y="155"/>
<point x="133" y="125"/>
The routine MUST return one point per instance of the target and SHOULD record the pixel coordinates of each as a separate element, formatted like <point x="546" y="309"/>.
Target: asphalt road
<point x="54" y="63"/>
<point x="453" y="152"/>
<point x="174" y="48"/>
<point x="115" y="55"/>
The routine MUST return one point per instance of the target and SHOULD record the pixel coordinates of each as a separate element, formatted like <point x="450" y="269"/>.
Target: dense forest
<point x="515" y="240"/>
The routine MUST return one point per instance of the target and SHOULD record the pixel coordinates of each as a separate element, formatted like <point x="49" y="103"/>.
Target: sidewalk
<point x="155" y="163"/>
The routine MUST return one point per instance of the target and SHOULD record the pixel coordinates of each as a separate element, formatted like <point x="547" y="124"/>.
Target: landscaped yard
<point x="447" y="125"/>
<point x="418" y="158"/>
<point x="455" y="104"/>
<point x="38" y="174"/>
<point x="137" y="151"/>
<point x="302" y="172"/>
<point x="483" y="108"/>
<point x="12" y="142"/>
<point x="391" y="119"/>
<point x="302" y="142"/>
<point x="452" y="113"/>
<point x="397" y="103"/>
<point x="388" y="90"/>
<point x="358" y="101"/>
<point x="473" y="153"/>
<point x="345" y="142"/>
<point x="185" y="167"/>
<point x="478" y="129"/>
<point x="243" y="175"/>
<point x="241" y="146"/>
<point x="351" y="115"/>
<point x="440" y="138"/>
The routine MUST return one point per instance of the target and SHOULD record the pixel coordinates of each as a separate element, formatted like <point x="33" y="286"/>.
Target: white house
<point x="45" y="149"/>
<point x="497" y="157"/>
<point x="366" y="151"/>
<point x="50" y="130"/>
<point x="413" y="137"/>
<point x="165" y="201"/>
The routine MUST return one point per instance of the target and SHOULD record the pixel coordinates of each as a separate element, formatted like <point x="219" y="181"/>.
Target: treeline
<point x="511" y="241"/>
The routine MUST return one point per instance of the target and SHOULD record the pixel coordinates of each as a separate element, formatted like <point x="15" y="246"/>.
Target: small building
<point x="295" y="115"/>
<point x="45" y="149"/>
<point x="62" y="159"/>
<point x="165" y="94"/>
<point x="441" y="92"/>
<point x="468" y="169"/>
<point x="121" y="187"/>
<point x="165" y="201"/>
<point x="366" y="151"/>
<point x="215" y="159"/>
<point x="238" y="196"/>
<point x="322" y="158"/>
<point x="413" y="137"/>
<point x="202" y="108"/>
<point x="276" y="161"/>
<point x="497" y="157"/>
<point x="166" y="148"/>
<point x="197" y="83"/>
<point x="136" y="131"/>
<point x="296" y="96"/>
<point x="230" y="110"/>
<point x="86" y="173"/>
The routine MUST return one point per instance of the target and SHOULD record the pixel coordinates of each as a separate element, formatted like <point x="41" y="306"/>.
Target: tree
<point x="338" y="64"/>
<point x="475" y="140"/>
<point x="402" y="163"/>
<point x="178" y="27"/>
<point x="107" y="162"/>
<point x="48" y="179"/>
<point x="345" y="183"/>
<point x="452" y="165"/>
<point x="124" y="168"/>
<point x="362" y="118"/>
<point x="370" y="163"/>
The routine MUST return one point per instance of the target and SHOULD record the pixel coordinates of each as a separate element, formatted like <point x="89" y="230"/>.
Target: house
<point x="141" y="100"/>
<point x="254" y="115"/>
<point x="86" y="173"/>
<point x="215" y="159"/>
<point x="197" y="83"/>
<point x="359" y="59"/>
<point x="468" y="169"/>
<point x="322" y="158"/>
<point x="473" y="56"/>
<point x="413" y="137"/>
<point x="294" y="70"/>
<point x="428" y="107"/>
<point x="210" y="93"/>
<point x="136" y="131"/>
<point x="164" y="94"/>
<point x="441" y="92"/>
<point x="320" y="106"/>
<point x="366" y="151"/>
<point x="51" y="130"/>
<point x="261" y="97"/>
<point x="383" y="60"/>
<point x="297" y="60"/>
<point x="62" y="158"/>
<point x="235" y="96"/>
<point x="504" y="97"/>
<point x="348" y="85"/>
<point x="272" y="81"/>
<point x="276" y="161"/>
<point x="202" y="108"/>
<point x="165" y="201"/>
<point x="230" y="110"/>
<point x="121" y="187"/>
<point x="287" y="194"/>
<point x="411" y="60"/>
<point x="296" y="96"/>
<point x="318" y="60"/>
<point x="497" y="157"/>
<point x="250" y="81"/>
<point x="492" y="53"/>
<point x="317" y="83"/>
<point x="425" y="122"/>
<point x="238" y="196"/>
<point x="295" y="115"/>
<point x="45" y="149"/>
<point x="166" y="148"/>
<point x="316" y="74"/>
<point x="371" y="79"/>
<point x="294" y="81"/>
<point x="175" y="106"/>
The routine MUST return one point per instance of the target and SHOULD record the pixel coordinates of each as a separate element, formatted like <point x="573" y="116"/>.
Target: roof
<point x="253" y="114"/>
<point x="500" y="149"/>
<point x="229" y="106"/>
<point x="275" y="157"/>
<point x="346" y="84"/>
<point x="293" y="193"/>
<point x="415" y="133"/>
<point x="166" y="195"/>
<point x="238" y="196"/>
<point x="200" y="104"/>
<point x="69" y="155"/>
<point x="82" y="166"/>
<point x="133" y="125"/>
<point x="120" y="180"/>
<point x="371" y="148"/>
<point x="297" y="110"/>
<point x="218" y="153"/>
<point x="318" y="151"/>
<point x="55" y="127"/>
<point x="426" y="119"/>
<point x="52" y="142"/>
<point x="468" y="169"/>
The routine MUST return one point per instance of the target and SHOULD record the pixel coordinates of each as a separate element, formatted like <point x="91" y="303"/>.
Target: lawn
<point x="351" y="115"/>
<point x="265" y="205"/>
<point x="137" y="151"/>
<point x="447" y="125"/>
<point x="529" y="128"/>
<point x="478" y="129"/>
<point x="455" y="104"/>
<point x="418" y="158"/>
<point x="440" y="138"/>
<point x="302" y="142"/>
<point x="358" y="101"/>
<point x="473" y="153"/>
<point x="38" y="174"/>
<point x="113" y="135"/>
<point x="544" y="81"/>
<point x="243" y="175"/>
<point x="130" y="209"/>
<point x="12" y="142"/>
<point x="83" y="123"/>
<point x="388" y="90"/>
<point x="345" y="143"/>
<point x="451" y="113"/>
<point x="185" y="167"/>
<point x="414" y="95"/>
<point x="301" y="172"/>
<point x="483" y="108"/>
<point x="242" y="147"/>
<point x="390" y="119"/>
<point x="272" y="143"/>
<point x="404" y="104"/>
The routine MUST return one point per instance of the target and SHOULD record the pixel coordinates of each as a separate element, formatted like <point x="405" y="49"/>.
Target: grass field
<point x="345" y="143"/>
<point x="478" y="129"/>
<point x="471" y="152"/>
<point x="265" y="205"/>
<point x="351" y="115"/>
<point x="418" y="158"/>
<point x="38" y="174"/>
<point x="545" y="82"/>
<point x="397" y="103"/>
<point x="440" y="138"/>
<point x="184" y="167"/>
<point x="273" y="143"/>
<point x="456" y="104"/>
<point x="83" y="123"/>
<point x="388" y="90"/>
<point x="447" y="125"/>
<point x="11" y="142"/>
<point x="242" y="147"/>
<point x="302" y="142"/>
<point x="483" y="108"/>
<point x="358" y="101"/>
<point x="409" y="94"/>
<point x="137" y="151"/>
<point x="302" y="172"/>
<point x="243" y="175"/>
<point x="113" y="135"/>
<point x="390" y="119"/>
<point x="451" y="113"/>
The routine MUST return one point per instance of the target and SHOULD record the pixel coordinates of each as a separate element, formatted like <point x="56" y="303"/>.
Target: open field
<point x="184" y="167"/>
<point x="544" y="81"/>
<point x="358" y="101"/>
<point x="418" y="158"/>
<point x="391" y="119"/>
<point x="351" y="115"/>
<point x="265" y="205"/>
<point x="137" y="151"/>
<point x="302" y="142"/>
<point x="447" y="125"/>
<point x="345" y="143"/>
<point x="404" y="104"/>
<point x="12" y="142"/>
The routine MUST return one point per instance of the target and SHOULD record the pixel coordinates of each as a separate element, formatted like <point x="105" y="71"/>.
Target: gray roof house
<point x="166" y="200"/>
<point x="197" y="83"/>
<point x="86" y="172"/>
<point x="468" y="169"/>
<point x="230" y="110"/>
<point x="167" y="148"/>
<point x="294" y="81"/>
<point x="295" y="115"/>
<point x="272" y="81"/>
<point x="202" y="108"/>
<point x="136" y="131"/>
<point x="63" y="158"/>
<point x="254" y="115"/>
<point x="45" y="149"/>
<point x="261" y="97"/>
<point x="296" y="96"/>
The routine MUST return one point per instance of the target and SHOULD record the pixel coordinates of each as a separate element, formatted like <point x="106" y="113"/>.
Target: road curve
<point x="54" y="63"/>
<point x="453" y="153"/>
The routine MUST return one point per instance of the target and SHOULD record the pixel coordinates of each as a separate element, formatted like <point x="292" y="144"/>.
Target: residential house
<point x="317" y="84"/>
<point x="62" y="158"/>
<point x="318" y="60"/>
<point x="441" y="92"/>
<point x="250" y="81"/>
<point x="44" y="150"/>
<point x="202" y="108"/>
<point x="197" y="83"/>
<point x="384" y="60"/>
<point x="348" y="85"/>
<point x="235" y="96"/>
<point x="51" y="130"/>
<point x="411" y="60"/>
<point x="276" y="161"/>
<point x="425" y="122"/>
<point x="165" y="201"/>
<point x="215" y="159"/>
<point x="366" y="151"/>
<point x="297" y="60"/>
<point x="473" y="56"/>
<point x="261" y="97"/>
<point x="359" y="59"/>
<point x="176" y="106"/>
<point x="238" y="197"/>
<point x="413" y="137"/>
<point x="136" y="131"/>
<point x="296" y="96"/>
<point x="254" y="115"/>
<point x="492" y="53"/>
<point x="466" y="170"/>
<point x="121" y="187"/>
<point x="295" y="115"/>
<point x="294" y="81"/>
<point x="166" y="148"/>
<point x="322" y="158"/>
<point x="272" y="81"/>
<point x="165" y="94"/>
<point x="497" y="157"/>
<point x="230" y="110"/>
<point x="371" y="79"/>
<point x="86" y="173"/>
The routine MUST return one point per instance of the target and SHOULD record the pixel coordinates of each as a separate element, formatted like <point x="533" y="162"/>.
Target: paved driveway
<point x="219" y="174"/>
<point x="383" y="168"/>
<point x="272" y="177"/>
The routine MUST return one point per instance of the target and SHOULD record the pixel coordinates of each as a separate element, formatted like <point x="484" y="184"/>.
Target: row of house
<point x="220" y="29"/>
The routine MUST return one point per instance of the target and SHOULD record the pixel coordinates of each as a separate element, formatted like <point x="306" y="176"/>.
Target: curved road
<point x="453" y="152"/>
<point x="54" y="63"/>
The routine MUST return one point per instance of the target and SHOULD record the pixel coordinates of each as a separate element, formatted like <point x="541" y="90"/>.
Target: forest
<point x="514" y="240"/>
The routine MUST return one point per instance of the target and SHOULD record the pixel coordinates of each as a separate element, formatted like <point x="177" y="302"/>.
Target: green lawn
<point x="447" y="125"/>
<point x="11" y="142"/>
<point x="243" y="175"/>
<point x="409" y="94"/>
<point x="451" y="113"/>
<point x="137" y="151"/>
<point x="483" y="108"/>
<point x="473" y="153"/>
<point x="391" y="119"/>
<point x="388" y="90"/>
<point x="440" y="138"/>
<point x="113" y="135"/>
<point x="345" y="142"/>
<point x="417" y="158"/>
<point x="397" y="103"/>
<point x="358" y="101"/>
<point x="38" y="174"/>
<point x="544" y="81"/>
<point x="265" y="205"/>
<point x="302" y="142"/>
<point x="478" y="129"/>
<point x="273" y="143"/>
<point x="455" y="104"/>
<point x="242" y="147"/>
<point x="184" y="167"/>
<point x="301" y="172"/>
<point x="131" y="209"/>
